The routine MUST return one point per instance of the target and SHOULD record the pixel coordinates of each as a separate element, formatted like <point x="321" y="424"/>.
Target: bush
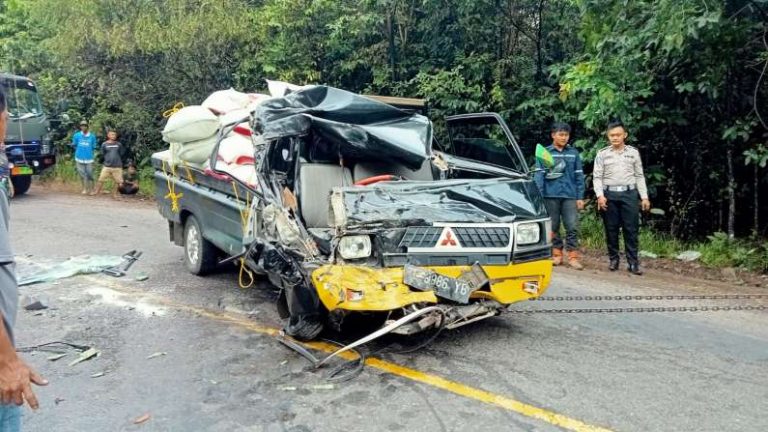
<point x="720" y="251"/>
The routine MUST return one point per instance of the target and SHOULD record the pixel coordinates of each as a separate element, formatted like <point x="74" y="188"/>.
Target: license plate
<point x="456" y="289"/>
<point x="22" y="170"/>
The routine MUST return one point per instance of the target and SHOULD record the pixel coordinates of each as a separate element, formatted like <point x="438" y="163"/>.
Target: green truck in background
<point x="28" y="143"/>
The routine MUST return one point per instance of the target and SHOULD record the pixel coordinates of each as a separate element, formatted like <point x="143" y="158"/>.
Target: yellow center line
<point x="435" y="381"/>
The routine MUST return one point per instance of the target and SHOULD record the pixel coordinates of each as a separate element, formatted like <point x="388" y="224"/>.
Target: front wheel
<point x="200" y="255"/>
<point x="21" y="184"/>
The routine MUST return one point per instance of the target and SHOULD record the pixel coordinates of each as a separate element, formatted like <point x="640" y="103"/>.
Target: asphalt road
<point x="222" y="370"/>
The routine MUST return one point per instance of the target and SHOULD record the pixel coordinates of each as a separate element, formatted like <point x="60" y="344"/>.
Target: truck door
<point x="483" y="138"/>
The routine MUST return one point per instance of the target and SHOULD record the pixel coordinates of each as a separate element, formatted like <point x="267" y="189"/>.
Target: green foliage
<point x="682" y="74"/>
<point x="720" y="251"/>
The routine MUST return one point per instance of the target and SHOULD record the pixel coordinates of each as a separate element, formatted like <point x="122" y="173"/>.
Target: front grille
<point x="482" y="237"/>
<point x="467" y="236"/>
<point x="421" y="237"/>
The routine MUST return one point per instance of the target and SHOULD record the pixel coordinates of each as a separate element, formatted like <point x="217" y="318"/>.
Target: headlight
<point x="528" y="233"/>
<point x="45" y="147"/>
<point x="353" y="247"/>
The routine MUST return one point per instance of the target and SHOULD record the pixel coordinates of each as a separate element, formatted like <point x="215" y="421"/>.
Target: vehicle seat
<point x="364" y="170"/>
<point x="316" y="183"/>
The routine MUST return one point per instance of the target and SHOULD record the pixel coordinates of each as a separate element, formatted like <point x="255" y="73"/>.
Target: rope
<point x="245" y="214"/>
<point x="176" y="108"/>
<point x="172" y="195"/>
<point x="189" y="172"/>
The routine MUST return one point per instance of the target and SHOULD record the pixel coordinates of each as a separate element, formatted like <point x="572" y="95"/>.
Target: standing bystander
<point x="15" y="376"/>
<point x="84" y="143"/>
<point x="621" y="191"/>
<point x="563" y="189"/>
<point x="112" y="154"/>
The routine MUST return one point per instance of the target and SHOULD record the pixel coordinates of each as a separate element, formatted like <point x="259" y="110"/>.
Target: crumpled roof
<point x="358" y="127"/>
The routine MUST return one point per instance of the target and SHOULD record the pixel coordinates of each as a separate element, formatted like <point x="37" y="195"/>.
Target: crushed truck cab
<point x="360" y="210"/>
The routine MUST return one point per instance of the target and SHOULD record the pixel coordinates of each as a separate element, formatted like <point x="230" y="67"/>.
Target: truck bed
<point x="212" y="201"/>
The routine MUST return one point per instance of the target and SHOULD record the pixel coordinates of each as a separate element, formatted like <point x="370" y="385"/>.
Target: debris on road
<point x="323" y="387"/>
<point x="58" y="400"/>
<point x="647" y="254"/>
<point x="288" y="388"/>
<point x="155" y="355"/>
<point x="57" y="357"/>
<point x="142" y="419"/>
<point x="32" y="303"/>
<point x="121" y="269"/>
<point x="689" y="256"/>
<point x="97" y="375"/>
<point x="85" y="355"/>
<point x="83" y="264"/>
<point x="141" y="277"/>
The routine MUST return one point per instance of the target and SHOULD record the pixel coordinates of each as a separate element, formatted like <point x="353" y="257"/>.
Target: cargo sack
<point x="195" y="152"/>
<point x="225" y="101"/>
<point x="192" y="123"/>
<point x="236" y="149"/>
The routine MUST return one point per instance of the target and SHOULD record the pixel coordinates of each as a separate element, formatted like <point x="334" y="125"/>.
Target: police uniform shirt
<point x="619" y="168"/>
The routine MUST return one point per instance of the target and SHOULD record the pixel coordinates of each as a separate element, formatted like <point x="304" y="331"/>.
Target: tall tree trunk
<point x="392" y="48"/>
<point x="755" y="199"/>
<point x="731" y="196"/>
<point x="539" y="65"/>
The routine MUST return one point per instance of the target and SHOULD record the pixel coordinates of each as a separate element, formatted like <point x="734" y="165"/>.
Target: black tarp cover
<point x="356" y="126"/>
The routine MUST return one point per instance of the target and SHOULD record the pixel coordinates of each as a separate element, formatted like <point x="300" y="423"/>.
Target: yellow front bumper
<point x="359" y="288"/>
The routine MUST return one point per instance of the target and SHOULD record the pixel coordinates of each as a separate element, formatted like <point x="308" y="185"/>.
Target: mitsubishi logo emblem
<point x="447" y="238"/>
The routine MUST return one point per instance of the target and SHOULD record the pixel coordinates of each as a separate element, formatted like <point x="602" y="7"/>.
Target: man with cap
<point x="84" y="143"/>
<point x="621" y="192"/>
<point x="563" y="189"/>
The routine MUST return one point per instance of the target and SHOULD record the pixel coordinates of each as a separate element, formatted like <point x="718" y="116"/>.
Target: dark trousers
<point x="564" y="209"/>
<point x="623" y="212"/>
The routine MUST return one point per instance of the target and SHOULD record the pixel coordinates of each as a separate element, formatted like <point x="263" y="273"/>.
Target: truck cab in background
<point x="28" y="143"/>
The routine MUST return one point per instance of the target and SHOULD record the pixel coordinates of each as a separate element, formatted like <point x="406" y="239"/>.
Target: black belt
<point x="620" y="188"/>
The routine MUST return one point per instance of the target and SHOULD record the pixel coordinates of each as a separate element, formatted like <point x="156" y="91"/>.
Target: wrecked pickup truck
<point x="358" y="210"/>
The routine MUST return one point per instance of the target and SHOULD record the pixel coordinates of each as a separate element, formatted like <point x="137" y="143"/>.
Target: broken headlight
<point x="528" y="233"/>
<point x="354" y="247"/>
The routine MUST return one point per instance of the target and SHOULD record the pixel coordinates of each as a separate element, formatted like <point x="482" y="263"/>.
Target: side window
<point x="483" y="139"/>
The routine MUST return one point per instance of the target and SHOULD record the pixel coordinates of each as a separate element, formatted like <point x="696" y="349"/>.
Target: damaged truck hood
<point x="408" y="203"/>
<point x="355" y="126"/>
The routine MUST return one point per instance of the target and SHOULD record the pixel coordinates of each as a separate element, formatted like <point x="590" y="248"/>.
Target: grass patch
<point x="65" y="173"/>
<point x="717" y="251"/>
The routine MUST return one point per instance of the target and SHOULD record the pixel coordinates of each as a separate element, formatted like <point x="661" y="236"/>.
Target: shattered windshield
<point x="23" y="100"/>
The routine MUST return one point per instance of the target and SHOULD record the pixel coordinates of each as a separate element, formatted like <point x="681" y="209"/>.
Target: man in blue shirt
<point x="563" y="189"/>
<point x="84" y="143"/>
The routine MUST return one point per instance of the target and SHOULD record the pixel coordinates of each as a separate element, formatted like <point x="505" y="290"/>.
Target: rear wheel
<point x="21" y="184"/>
<point x="200" y="255"/>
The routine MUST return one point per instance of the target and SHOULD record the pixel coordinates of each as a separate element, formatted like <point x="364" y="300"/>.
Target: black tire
<point x="21" y="184"/>
<point x="200" y="255"/>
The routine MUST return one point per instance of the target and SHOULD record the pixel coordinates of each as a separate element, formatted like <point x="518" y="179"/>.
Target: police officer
<point x="621" y="191"/>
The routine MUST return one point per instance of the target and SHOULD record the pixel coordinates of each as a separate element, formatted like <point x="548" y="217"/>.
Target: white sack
<point x="192" y="123"/>
<point x="224" y="101"/>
